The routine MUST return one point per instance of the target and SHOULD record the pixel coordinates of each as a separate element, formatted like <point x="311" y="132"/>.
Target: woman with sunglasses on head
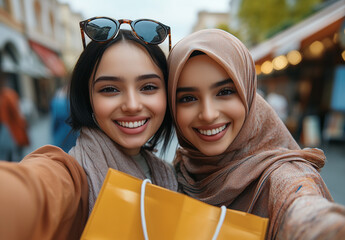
<point x="235" y="151"/>
<point x="118" y="103"/>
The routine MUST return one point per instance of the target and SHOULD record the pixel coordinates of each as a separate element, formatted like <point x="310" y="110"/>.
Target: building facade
<point x="32" y="41"/>
<point x="207" y="20"/>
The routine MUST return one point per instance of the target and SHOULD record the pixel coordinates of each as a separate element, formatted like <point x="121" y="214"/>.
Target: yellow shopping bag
<point x="122" y="212"/>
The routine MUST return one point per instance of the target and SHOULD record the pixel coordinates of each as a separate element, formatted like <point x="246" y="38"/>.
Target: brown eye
<point x="149" y="87"/>
<point x="186" y="99"/>
<point x="225" y="92"/>
<point x="109" y="90"/>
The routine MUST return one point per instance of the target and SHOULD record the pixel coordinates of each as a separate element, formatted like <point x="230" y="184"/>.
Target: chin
<point x="213" y="152"/>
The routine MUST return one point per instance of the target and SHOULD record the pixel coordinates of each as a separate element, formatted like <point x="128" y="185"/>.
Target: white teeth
<point x="131" y="124"/>
<point x="211" y="132"/>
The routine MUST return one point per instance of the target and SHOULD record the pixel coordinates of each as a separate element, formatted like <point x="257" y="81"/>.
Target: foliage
<point x="226" y="28"/>
<point x="261" y="19"/>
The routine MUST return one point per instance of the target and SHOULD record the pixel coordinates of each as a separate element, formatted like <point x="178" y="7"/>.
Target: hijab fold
<point x="96" y="152"/>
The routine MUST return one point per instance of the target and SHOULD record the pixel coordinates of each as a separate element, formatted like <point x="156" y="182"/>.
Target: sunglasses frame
<point x="118" y="23"/>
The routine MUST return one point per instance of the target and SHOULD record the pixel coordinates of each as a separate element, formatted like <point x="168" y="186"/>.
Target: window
<point x="38" y="12"/>
<point x="5" y="4"/>
<point x="52" y="23"/>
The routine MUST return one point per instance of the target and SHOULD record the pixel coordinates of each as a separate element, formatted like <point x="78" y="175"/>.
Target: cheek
<point x="103" y="106"/>
<point x="157" y="103"/>
<point x="237" y="113"/>
<point x="183" y="117"/>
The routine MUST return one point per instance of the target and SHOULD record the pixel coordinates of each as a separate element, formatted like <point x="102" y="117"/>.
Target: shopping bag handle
<point x="142" y="208"/>
<point x="220" y="222"/>
<point x="143" y="219"/>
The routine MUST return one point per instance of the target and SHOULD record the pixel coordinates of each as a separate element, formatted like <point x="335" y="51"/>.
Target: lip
<point x="132" y="131"/>
<point x="214" y="137"/>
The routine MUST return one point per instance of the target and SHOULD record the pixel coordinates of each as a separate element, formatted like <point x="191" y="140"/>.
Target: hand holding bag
<point x="122" y="212"/>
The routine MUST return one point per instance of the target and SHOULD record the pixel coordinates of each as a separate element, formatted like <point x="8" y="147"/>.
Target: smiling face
<point x="209" y="112"/>
<point x="128" y="96"/>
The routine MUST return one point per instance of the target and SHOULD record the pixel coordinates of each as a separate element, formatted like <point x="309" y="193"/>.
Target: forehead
<point x="126" y="59"/>
<point x="201" y="70"/>
<point x="123" y="51"/>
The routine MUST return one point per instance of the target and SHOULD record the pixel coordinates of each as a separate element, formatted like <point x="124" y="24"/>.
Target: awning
<point x="8" y="65"/>
<point x="315" y="27"/>
<point x="50" y="59"/>
<point x="30" y="64"/>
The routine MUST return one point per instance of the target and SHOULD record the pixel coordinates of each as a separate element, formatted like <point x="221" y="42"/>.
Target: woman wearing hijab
<point x="235" y="151"/>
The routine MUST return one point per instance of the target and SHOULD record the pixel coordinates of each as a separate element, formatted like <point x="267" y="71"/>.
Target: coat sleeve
<point x="301" y="206"/>
<point x="45" y="196"/>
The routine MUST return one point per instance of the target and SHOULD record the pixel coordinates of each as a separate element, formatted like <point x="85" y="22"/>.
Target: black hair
<point x="196" y="53"/>
<point x="79" y="93"/>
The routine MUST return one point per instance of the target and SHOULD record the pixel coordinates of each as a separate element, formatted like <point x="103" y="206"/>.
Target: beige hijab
<point x="96" y="153"/>
<point x="234" y="178"/>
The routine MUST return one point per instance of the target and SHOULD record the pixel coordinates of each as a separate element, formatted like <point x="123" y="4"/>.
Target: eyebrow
<point x="221" y="83"/>
<point x="107" y="78"/>
<point x="148" y="76"/>
<point x="194" y="89"/>
<point x="119" y="79"/>
<point x="186" y="89"/>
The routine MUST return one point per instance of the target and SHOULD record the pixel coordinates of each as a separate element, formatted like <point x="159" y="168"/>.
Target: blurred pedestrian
<point x="7" y="145"/>
<point x="235" y="151"/>
<point x="12" y="118"/>
<point x="279" y="103"/>
<point x="62" y="133"/>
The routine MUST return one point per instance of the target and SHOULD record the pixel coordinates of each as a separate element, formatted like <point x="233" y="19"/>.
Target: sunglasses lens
<point x="101" y="29"/>
<point x="150" y="32"/>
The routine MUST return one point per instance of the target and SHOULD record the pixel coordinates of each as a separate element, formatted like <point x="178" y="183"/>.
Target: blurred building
<point x="17" y="58"/>
<point x="33" y="39"/>
<point x="211" y="20"/>
<point x="306" y="64"/>
<point x="70" y="40"/>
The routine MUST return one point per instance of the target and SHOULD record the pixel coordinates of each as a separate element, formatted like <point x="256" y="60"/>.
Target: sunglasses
<point x="104" y="29"/>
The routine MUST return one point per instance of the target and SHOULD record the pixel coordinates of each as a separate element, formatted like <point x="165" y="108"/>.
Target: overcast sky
<point x="180" y="15"/>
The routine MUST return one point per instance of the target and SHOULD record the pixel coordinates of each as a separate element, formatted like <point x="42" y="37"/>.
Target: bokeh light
<point x="258" y="69"/>
<point x="267" y="67"/>
<point x="280" y="62"/>
<point x="294" y="57"/>
<point x="335" y="37"/>
<point x="327" y="42"/>
<point x="316" y="48"/>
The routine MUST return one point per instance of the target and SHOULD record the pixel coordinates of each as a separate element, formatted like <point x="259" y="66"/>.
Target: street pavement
<point x="333" y="173"/>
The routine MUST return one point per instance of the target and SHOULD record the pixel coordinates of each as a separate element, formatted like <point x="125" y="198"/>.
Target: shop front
<point x="304" y="66"/>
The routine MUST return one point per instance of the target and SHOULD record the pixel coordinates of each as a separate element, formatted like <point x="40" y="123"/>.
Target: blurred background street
<point x="298" y="48"/>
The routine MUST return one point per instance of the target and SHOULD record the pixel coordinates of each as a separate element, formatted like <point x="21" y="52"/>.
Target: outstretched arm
<point x="45" y="196"/>
<point x="301" y="205"/>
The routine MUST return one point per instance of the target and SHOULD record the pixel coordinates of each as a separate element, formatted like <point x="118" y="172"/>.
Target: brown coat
<point x="45" y="196"/>
<point x="11" y="116"/>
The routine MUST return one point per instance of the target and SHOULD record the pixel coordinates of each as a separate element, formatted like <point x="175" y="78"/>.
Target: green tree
<point x="225" y="27"/>
<point x="261" y="19"/>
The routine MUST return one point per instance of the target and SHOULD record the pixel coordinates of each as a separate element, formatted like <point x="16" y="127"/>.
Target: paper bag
<point x="168" y="215"/>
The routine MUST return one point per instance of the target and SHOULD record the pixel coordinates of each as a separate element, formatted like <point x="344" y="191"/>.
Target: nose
<point x="208" y="111"/>
<point x="132" y="102"/>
